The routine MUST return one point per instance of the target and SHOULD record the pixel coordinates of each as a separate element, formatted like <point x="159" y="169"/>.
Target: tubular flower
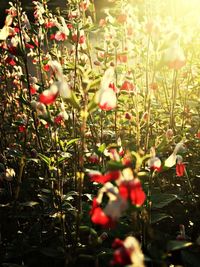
<point x="59" y="87"/>
<point x="106" y="96"/>
<point x="96" y="176"/>
<point x="128" y="87"/>
<point x="7" y="30"/>
<point x="131" y="187"/>
<point x="154" y="162"/>
<point x="174" y="57"/>
<point x="180" y="166"/>
<point x="171" y="160"/>
<point x="127" y="252"/>
<point x="108" y="216"/>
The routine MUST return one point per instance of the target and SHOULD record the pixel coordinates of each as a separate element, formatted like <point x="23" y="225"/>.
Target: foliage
<point x="100" y="135"/>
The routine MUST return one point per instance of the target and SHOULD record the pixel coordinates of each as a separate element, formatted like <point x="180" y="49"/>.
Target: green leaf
<point x="176" y="245"/>
<point x="66" y="156"/>
<point x="29" y="204"/>
<point x="70" y="195"/>
<point x="92" y="105"/>
<point x="99" y="48"/>
<point x="102" y="148"/>
<point x="161" y="200"/>
<point x="157" y="217"/>
<point x="94" y="83"/>
<point x="32" y="159"/>
<point x="72" y="141"/>
<point x="44" y="158"/>
<point x="73" y="101"/>
<point x="115" y="165"/>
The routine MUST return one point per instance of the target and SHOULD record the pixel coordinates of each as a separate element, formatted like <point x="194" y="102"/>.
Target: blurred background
<point x="52" y="4"/>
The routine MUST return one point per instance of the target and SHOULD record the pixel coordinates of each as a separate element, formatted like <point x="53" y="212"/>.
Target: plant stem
<point x="173" y="100"/>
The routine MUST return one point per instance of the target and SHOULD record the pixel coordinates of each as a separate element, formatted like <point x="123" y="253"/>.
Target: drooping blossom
<point x="22" y="128"/>
<point x="98" y="177"/>
<point x="127" y="253"/>
<point x="59" y="87"/>
<point x="94" y="158"/>
<point x="80" y="38"/>
<point x="122" y="18"/>
<point x="122" y="58"/>
<point x="63" y="31"/>
<point x="39" y="12"/>
<point x="128" y="116"/>
<point x="33" y="85"/>
<point x="180" y="166"/>
<point x="174" y="56"/>
<point x="7" y="30"/>
<point x="128" y="87"/>
<point x="171" y="160"/>
<point x="131" y="188"/>
<point x="110" y="214"/>
<point x="198" y="134"/>
<point x="106" y="97"/>
<point x="154" y="162"/>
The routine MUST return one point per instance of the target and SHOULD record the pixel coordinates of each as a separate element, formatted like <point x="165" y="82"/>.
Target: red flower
<point x="154" y="86"/>
<point x="49" y="24"/>
<point x="10" y="60"/>
<point x="121" y="255"/>
<point x="33" y="90"/>
<point x="107" y="100"/>
<point x="133" y="190"/>
<point x="81" y="39"/>
<point x="176" y="64"/>
<point x="94" y="159"/>
<point x="60" y="36"/>
<point x="102" y="22"/>
<point x="198" y="134"/>
<point x="127" y="252"/>
<point x="128" y="86"/>
<point x="128" y="116"/>
<point x="180" y="169"/>
<point x="48" y="98"/>
<point x="27" y="45"/>
<point x="113" y="87"/>
<point x="104" y="178"/>
<point x="99" y="217"/>
<point x="58" y="119"/>
<point x="22" y="128"/>
<point x="122" y="58"/>
<point x="46" y="67"/>
<point x="122" y="18"/>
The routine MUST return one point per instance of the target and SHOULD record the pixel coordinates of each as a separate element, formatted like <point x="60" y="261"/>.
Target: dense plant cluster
<point x="100" y="135"/>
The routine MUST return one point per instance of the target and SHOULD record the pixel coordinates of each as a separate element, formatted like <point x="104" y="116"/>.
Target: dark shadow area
<point x="52" y="4"/>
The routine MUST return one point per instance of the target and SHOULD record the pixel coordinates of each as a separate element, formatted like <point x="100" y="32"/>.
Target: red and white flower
<point x="98" y="177"/>
<point x="128" y="87"/>
<point x="131" y="188"/>
<point x="171" y="160"/>
<point x="174" y="56"/>
<point x="180" y="166"/>
<point x="127" y="252"/>
<point x="154" y="162"/>
<point x="106" y="96"/>
<point x="110" y="214"/>
<point x="60" y="87"/>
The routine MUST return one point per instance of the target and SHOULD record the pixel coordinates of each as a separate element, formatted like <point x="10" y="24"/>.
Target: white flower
<point x="171" y="160"/>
